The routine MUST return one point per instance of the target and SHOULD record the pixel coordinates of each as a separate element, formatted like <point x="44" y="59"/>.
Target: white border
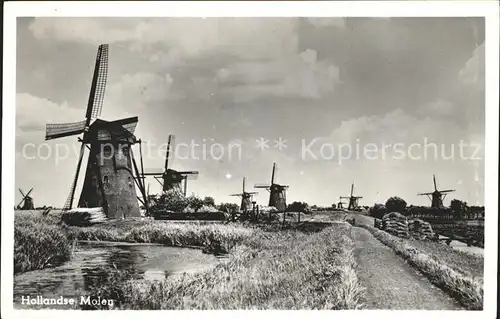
<point x="487" y="9"/>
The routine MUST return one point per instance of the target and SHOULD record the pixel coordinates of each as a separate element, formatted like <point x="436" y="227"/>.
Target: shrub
<point x="395" y="204"/>
<point x="378" y="211"/>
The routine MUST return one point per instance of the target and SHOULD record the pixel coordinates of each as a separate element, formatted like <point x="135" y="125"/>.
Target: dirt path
<point x="390" y="282"/>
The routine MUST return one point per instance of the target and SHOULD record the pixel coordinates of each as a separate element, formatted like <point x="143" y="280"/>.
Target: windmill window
<point x="107" y="150"/>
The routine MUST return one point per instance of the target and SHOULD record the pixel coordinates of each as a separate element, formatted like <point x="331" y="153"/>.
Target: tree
<point x="458" y="207"/>
<point x="334" y="206"/>
<point x="228" y="207"/>
<point x="195" y="203"/>
<point x="209" y="201"/>
<point x="396" y="204"/>
<point x="378" y="210"/>
<point x="298" y="207"/>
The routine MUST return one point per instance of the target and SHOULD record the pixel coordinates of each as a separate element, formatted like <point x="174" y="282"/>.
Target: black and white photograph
<point x="249" y="159"/>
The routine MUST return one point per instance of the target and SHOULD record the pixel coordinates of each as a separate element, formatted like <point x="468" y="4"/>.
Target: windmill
<point x="353" y="200"/>
<point x="26" y="201"/>
<point x="109" y="178"/>
<point x="277" y="197"/>
<point x="170" y="178"/>
<point x="437" y="196"/>
<point x="246" y="198"/>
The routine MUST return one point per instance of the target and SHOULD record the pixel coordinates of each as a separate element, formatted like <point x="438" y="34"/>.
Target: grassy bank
<point x="216" y="238"/>
<point x="39" y="243"/>
<point x="460" y="284"/>
<point x="269" y="270"/>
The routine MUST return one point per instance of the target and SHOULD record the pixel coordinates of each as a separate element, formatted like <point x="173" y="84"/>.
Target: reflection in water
<point x="94" y="265"/>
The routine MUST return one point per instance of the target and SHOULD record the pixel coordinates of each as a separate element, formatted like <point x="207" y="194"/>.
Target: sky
<point x="383" y="103"/>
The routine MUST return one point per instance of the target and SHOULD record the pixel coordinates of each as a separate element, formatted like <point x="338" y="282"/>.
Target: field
<point x="306" y="265"/>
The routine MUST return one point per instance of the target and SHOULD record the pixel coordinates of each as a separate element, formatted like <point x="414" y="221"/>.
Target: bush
<point x="298" y="207"/>
<point x="378" y="211"/>
<point x="396" y="204"/>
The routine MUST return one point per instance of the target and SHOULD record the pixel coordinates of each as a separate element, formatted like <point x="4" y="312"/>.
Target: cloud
<point x="473" y="73"/>
<point x="32" y="113"/>
<point x="139" y="90"/>
<point x="173" y="39"/>
<point x="301" y="76"/>
<point x="438" y="108"/>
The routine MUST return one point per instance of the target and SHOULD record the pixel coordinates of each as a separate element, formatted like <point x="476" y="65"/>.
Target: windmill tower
<point x="277" y="197"/>
<point x="109" y="178"/>
<point x="246" y="198"/>
<point x="353" y="200"/>
<point x="26" y="201"/>
<point x="437" y="196"/>
<point x="170" y="178"/>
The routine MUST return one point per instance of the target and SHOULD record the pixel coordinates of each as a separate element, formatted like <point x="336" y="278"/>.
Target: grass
<point x="214" y="238"/>
<point x="460" y="284"/>
<point x="39" y="243"/>
<point x="268" y="270"/>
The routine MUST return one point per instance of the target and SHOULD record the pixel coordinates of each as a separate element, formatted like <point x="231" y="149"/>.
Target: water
<point x="93" y="264"/>
<point x="458" y="245"/>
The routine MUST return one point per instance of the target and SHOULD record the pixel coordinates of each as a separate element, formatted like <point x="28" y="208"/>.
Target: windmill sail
<point x="98" y="88"/>
<point x="53" y="131"/>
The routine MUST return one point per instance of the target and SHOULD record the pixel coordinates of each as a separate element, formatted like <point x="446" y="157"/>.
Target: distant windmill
<point x="246" y="198"/>
<point x="277" y="197"/>
<point x="26" y="201"/>
<point x="437" y="196"/>
<point x="353" y="200"/>
<point x="170" y="178"/>
<point x="109" y="178"/>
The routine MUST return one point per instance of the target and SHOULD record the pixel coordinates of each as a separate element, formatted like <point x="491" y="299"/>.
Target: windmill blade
<point x="272" y="175"/>
<point x="236" y="195"/>
<point x="447" y="191"/>
<point x="261" y="186"/>
<point x="22" y="200"/>
<point x="169" y="153"/>
<point x="28" y="194"/>
<point x="189" y="175"/>
<point x="243" y="184"/>
<point x="252" y="193"/>
<point x="53" y="131"/>
<point x="98" y="87"/>
<point x="434" y="179"/>
<point x="352" y="189"/>
<point x="424" y="194"/>
<point x="69" y="201"/>
<point x="20" y="190"/>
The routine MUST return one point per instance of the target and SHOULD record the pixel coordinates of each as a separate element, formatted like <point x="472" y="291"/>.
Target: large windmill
<point x="246" y="198"/>
<point x="437" y="196"/>
<point x="353" y="200"/>
<point x="170" y="178"/>
<point x="277" y="197"/>
<point x="26" y="201"/>
<point x="109" y="178"/>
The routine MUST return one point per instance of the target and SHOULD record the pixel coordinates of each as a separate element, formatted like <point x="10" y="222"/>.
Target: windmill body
<point x="246" y="199"/>
<point x="26" y="201"/>
<point x="277" y="196"/>
<point x="353" y="200"/>
<point x="437" y="196"/>
<point x="109" y="178"/>
<point x="173" y="180"/>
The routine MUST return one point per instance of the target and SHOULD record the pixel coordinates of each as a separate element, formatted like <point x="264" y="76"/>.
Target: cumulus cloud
<point x="170" y="39"/>
<point x="138" y="90"/>
<point x="33" y="112"/>
<point x="297" y="76"/>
